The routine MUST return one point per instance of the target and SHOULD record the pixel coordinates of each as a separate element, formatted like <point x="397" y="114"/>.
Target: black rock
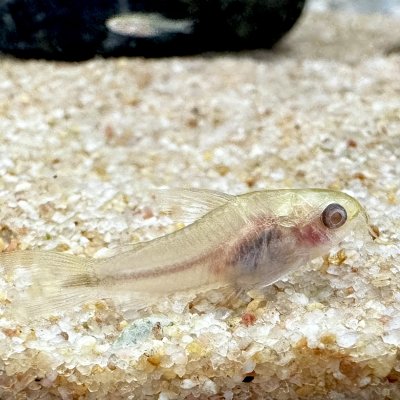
<point x="78" y="30"/>
<point x="54" y="29"/>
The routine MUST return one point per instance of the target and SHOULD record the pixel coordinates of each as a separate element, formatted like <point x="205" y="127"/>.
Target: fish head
<point x="288" y="228"/>
<point x="321" y="219"/>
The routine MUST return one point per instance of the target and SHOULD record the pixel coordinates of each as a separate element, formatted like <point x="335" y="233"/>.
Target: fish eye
<point x="334" y="216"/>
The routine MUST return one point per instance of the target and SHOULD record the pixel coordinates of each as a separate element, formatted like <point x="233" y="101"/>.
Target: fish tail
<point x="43" y="283"/>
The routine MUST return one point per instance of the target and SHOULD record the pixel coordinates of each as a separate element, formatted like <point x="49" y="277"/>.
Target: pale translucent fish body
<point x="238" y="241"/>
<point x="147" y="25"/>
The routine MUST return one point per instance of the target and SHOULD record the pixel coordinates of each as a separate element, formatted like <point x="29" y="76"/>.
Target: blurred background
<point x="361" y="6"/>
<point x="75" y="30"/>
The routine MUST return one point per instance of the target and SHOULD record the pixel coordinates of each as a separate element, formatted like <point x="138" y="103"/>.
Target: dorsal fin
<point x="188" y="205"/>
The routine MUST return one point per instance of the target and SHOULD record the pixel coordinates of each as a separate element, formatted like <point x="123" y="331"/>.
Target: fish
<point x="148" y="25"/>
<point x="230" y="241"/>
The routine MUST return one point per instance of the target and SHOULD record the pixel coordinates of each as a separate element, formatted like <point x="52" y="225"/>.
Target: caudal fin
<point x="42" y="283"/>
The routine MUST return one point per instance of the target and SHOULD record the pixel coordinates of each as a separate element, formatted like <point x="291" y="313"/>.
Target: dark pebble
<point x="76" y="30"/>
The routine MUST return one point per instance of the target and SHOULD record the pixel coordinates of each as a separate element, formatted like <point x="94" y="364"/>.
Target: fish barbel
<point x="243" y="241"/>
